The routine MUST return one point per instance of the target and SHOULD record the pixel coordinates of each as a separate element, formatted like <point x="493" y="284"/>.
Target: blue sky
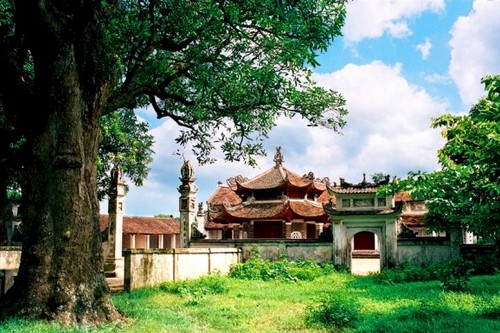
<point x="398" y="64"/>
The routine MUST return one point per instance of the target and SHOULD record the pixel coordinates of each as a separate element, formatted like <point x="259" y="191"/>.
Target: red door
<point x="364" y="240"/>
<point x="268" y="229"/>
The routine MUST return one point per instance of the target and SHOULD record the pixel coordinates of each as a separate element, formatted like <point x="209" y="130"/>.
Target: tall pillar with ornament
<point x="187" y="202"/>
<point x="114" y="264"/>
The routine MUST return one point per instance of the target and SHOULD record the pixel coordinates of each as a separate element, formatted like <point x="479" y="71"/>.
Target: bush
<point x="405" y="273"/>
<point x="291" y="271"/>
<point x="390" y="276"/>
<point x="455" y="275"/>
<point x="196" y="290"/>
<point x="339" y="310"/>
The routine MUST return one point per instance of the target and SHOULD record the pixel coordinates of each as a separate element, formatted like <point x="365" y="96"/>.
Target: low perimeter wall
<point x="422" y="251"/>
<point x="150" y="267"/>
<point x="299" y="249"/>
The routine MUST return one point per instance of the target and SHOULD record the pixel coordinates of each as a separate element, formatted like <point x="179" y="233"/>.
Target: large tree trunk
<point x="61" y="275"/>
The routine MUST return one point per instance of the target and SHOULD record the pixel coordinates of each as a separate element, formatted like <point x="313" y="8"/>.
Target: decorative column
<point x="114" y="264"/>
<point x="236" y="231"/>
<point x="319" y="229"/>
<point x="187" y="202"/>
<point x="288" y="230"/>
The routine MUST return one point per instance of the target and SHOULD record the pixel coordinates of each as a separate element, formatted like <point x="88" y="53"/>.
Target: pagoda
<point x="276" y="204"/>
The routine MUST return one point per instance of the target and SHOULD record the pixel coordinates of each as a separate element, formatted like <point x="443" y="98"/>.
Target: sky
<point x="398" y="64"/>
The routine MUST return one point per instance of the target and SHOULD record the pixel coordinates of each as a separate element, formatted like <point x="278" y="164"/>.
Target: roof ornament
<point x="187" y="170"/>
<point x="278" y="157"/>
<point x="117" y="173"/>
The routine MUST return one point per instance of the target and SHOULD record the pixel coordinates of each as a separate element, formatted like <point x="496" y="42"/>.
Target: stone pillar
<point x="236" y="231"/>
<point x="114" y="264"/>
<point x="288" y="230"/>
<point x="391" y="243"/>
<point x="319" y="230"/>
<point x="187" y="198"/>
<point x="339" y="251"/>
<point x="250" y="231"/>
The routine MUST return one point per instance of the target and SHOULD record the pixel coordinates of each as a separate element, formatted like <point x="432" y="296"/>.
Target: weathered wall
<point x="273" y="249"/>
<point x="150" y="267"/>
<point x="423" y="251"/>
<point x="10" y="259"/>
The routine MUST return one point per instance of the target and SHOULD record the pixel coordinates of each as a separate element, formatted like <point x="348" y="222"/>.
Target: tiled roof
<point x="307" y="209"/>
<point x="272" y="178"/>
<point x="413" y="220"/>
<point x="277" y="177"/>
<point x="297" y="180"/>
<point x="213" y="225"/>
<point x="224" y="194"/>
<point x="326" y="197"/>
<point x="402" y="196"/>
<point x="352" y="190"/>
<point x="258" y="211"/>
<point x="145" y="225"/>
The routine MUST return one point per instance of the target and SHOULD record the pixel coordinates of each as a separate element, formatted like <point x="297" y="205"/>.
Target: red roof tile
<point x="402" y="196"/>
<point x="413" y="220"/>
<point x="306" y="209"/>
<point x="352" y="190"/>
<point x="145" y="225"/>
<point x="272" y="178"/>
<point x="258" y="211"/>
<point x="224" y="194"/>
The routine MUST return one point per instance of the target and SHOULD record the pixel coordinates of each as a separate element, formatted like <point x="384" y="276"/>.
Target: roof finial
<point x="278" y="157"/>
<point x="186" y="170"/>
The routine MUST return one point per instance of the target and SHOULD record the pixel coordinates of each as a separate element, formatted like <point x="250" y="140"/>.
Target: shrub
<point x="260" y="269"/>
<point x="390" y="276"/>
<point x="339" y="310"/>
<point x="455" y="275"/>
<point x="196" y="290"/>
<point x="252" y="269"/>
<point x="416" y="273"/>
<point x="405" y="273"/>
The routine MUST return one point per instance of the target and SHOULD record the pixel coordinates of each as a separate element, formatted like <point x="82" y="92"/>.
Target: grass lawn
<point x="260" y="306"/>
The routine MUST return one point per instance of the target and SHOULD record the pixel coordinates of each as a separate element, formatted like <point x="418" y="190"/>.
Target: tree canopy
<point x="125" y="142"/>
<point x="465" y="192"/>
<point x="224" y="71"/>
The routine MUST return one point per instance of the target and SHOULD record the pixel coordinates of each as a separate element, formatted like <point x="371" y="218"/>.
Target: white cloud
<point x="388" y="127"/>
<point x="475" y="45"/>
<point x="371" y="19"/>
<point x="437" y="78"/>
<point x="424" y="48"/>
<point x="387" y="131"/>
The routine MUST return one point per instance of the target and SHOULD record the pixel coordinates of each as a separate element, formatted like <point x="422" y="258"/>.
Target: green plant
<point x="283" y="252"/>
<point x="390" y="276"/>
<point x="283" y="270"/>
<point x="492" y="309"/>
<point x="406" y="273"/>
<point x="254" y="252"/>
<point x="455" y="275"/>
<point x="212" y="284"/>
<point x="336" y="309"/>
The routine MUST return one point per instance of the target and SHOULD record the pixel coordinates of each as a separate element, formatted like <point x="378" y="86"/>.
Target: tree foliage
<point x="125" y="142"/>
<point x="465" y="192"/>
<point x="225" y="71"/>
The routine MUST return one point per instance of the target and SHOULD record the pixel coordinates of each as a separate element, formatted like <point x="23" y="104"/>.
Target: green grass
<point x="231" y="305"/>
